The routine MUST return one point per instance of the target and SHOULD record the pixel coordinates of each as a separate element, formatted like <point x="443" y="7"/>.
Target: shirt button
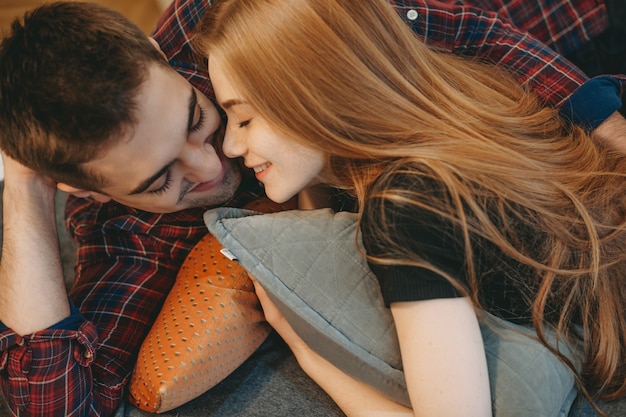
<point x="412" y="14"/>
<point x="87" y="354"/>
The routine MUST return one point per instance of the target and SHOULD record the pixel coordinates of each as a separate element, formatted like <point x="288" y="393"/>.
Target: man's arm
<point x="470" y="31"/>
<point x="82" y="363"/>
<point x="474" y="32"/>
<point x="33" y="293"/>
<point x="564" y="26"/>
<point x="33" y="298"/>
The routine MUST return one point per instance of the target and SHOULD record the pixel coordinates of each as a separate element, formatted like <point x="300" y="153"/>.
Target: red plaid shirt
<point x="128" y="259"/>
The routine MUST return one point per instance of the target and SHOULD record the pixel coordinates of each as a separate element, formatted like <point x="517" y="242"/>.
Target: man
<point x="88" y="105"/>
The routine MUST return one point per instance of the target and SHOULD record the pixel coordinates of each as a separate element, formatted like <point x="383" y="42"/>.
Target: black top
<point x="439" y="241"/>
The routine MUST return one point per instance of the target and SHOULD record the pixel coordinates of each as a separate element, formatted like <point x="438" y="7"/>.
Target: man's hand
<point x="612" y="133"/>
<point x="14" y="172"/>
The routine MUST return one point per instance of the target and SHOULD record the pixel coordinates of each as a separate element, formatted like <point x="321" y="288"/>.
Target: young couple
<point x="494" y="204"/>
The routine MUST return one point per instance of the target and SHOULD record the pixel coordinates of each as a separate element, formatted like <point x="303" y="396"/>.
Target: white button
<point x="412" y="14"/>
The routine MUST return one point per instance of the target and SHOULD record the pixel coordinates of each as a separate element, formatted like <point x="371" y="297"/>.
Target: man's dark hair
<point x="70" y="73"/>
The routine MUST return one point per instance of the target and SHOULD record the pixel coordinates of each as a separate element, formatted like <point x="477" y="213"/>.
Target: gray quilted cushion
<point x="308" y="263"/>
<point x="310" y="267"/>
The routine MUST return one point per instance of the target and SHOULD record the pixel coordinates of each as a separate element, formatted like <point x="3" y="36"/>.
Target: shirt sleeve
<point x="173" y="33"/>
<point x="466" y="30"/>
<point x="594" y="101"/>
<point x="416" y="234"/>
<point x="472" y="31"/>
<point x="564" y="26"/>
<point x="36" y="370"/>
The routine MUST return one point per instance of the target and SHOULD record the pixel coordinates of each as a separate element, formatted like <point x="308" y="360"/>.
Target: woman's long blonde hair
<point x="353" y="81"/>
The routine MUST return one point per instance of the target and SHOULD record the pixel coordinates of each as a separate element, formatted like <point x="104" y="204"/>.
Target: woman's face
<point x="283" y="165"/>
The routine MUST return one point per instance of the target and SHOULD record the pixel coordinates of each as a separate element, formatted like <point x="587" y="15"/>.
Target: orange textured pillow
<point x="210" y="324"/>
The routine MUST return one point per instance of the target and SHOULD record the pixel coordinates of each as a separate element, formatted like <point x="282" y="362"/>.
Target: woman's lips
<point x="259" y="170"/>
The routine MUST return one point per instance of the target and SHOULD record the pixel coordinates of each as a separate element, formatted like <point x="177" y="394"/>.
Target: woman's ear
<point x="81" y="193"/>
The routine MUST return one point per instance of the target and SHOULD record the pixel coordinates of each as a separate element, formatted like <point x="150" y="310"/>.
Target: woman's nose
<point x="233" y="146"/>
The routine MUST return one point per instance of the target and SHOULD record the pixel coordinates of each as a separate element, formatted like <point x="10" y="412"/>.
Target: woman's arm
<point x="355" y="398"/>
<point x="443" y="357"/>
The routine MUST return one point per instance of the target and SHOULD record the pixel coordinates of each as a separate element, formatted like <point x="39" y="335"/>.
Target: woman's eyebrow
<point x="232" y="102"/>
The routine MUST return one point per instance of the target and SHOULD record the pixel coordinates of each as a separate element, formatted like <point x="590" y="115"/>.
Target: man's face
<point x="172" y="158"/>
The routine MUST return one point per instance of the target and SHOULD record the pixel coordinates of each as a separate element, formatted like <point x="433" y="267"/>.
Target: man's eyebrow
<point x="147" y="183"/>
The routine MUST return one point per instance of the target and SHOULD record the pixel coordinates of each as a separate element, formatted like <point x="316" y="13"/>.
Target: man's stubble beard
<point x="224" y="192"/>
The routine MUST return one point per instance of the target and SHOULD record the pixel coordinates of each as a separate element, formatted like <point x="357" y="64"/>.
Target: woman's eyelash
<point x="164" y="187"/>
<point x="200" y="123"/>
<point x="244" y="123"/>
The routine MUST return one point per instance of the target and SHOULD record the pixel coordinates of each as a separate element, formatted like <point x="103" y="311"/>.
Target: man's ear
<point x="158" y="47"/>
<point x="80" y="193"/>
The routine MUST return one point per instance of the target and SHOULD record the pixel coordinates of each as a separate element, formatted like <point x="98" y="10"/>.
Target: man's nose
<point x="201" y="162"/>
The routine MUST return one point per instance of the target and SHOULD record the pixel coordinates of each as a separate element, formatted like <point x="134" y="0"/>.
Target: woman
<point x="476" y="203"/>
